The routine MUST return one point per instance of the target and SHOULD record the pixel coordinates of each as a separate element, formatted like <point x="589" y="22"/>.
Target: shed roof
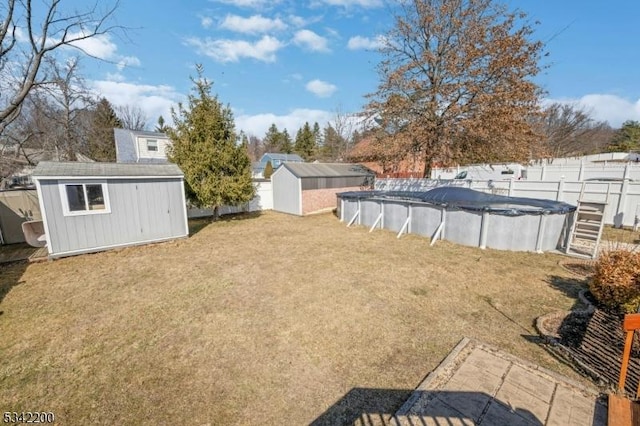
<point x="281" y="157"/>
<point x="125" y="145"/>
<point x="73" y="169"/>
<point x="310" y="170"/>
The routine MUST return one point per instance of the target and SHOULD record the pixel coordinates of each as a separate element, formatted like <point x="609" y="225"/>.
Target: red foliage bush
<point x="616" y="280"/>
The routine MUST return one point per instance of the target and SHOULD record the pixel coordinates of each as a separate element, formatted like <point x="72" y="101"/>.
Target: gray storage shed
<point x="303" y="188"/>
<point x="89" y="207"/>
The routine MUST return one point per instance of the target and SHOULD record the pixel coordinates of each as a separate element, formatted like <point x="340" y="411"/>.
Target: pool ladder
<point x="586" y="230"/>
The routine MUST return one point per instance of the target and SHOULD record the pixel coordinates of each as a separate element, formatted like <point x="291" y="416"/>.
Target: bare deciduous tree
<point x="67" y="99"/>
<point x="30" y="32"/>
<point x="132" y="117"/>
<point x="570" y="130"/>
<point x="457" y="79"/>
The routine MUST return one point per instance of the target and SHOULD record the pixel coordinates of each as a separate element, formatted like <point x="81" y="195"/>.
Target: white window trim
<point x="66" y="211"/>
<point x="157" y="145"/>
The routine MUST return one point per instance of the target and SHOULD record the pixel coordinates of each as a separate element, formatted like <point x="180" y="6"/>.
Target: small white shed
<point x="304" y="188"/>
<point x="89" y="207"/>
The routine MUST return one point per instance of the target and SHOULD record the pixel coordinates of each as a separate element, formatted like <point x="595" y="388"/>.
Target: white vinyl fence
<point x="262" y="201"/>
<point x="622" y="198"/>
<point x="553" y="172"/>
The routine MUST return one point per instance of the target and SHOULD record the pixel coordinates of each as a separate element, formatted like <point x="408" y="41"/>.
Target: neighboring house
<point x="133" y="146"/>
<point x="304" y="188"/>
<point x="89" y="207"/>
<point x="366" y="152"/>
<point x="276" y="160"/>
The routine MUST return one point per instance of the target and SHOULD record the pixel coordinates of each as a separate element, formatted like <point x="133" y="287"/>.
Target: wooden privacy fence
<point x="622" y="198"/>
<point x="17" y="206"/>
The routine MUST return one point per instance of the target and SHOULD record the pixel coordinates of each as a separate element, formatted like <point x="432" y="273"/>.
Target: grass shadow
<point x="570" y="287"/>
<point x="234" y="217"/>
<point x="10" y="277"/>
<point x="198" y="224"/>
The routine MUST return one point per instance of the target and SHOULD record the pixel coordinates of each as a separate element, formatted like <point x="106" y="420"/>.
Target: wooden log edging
<point x="552" y="341"/>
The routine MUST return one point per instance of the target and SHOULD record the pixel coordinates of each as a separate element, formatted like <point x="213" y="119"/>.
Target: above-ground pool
<point x="463" y="216"/>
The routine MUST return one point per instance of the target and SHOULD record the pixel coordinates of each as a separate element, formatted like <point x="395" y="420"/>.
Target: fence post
<point x="581" y="172"/>
<point x="560" y="194"/>
<point x="511" y="188"/>
<point x="618" y="219"/>
<point x="543" y="173"/>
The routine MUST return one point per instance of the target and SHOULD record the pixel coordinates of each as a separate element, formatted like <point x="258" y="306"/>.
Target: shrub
<point x="268" y="170"/>
<point x="616" y="280"/>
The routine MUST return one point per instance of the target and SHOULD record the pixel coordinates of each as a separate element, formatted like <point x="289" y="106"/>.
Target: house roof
<point x="309" y="170"/>
<point x="125" y="145"/>
<point x="50" y="169"/>
<point x="281" y="157"/>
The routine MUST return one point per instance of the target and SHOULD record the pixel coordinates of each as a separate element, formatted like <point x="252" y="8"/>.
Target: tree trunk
<point x="216" y="214"/>
<point x="426" y="172"/>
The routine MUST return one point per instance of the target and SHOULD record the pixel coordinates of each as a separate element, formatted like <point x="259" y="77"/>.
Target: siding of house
<point x="142" y="210"/>
<point x="286" y="192"/>
<point x="143" y="151"/>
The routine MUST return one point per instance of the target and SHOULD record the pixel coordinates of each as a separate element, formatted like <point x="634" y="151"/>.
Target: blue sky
<point x="288" y="61"/>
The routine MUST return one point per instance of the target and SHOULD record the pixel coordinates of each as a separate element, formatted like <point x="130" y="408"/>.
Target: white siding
<point x="143" y="152"/>
<point x="287" y="197"/>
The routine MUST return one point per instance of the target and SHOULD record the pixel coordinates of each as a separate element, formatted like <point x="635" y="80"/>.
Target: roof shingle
<point x="75" y="169"/>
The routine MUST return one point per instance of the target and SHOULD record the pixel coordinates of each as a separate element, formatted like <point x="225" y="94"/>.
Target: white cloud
<point x="99" y="46"/>
<point x="153" y="100"/>
<point x="310" y="40"/>
<point x="320" y="88"/>
<point x="115" y="76"/>
<point x="224" y="50"/>
<point x="206" y="22"/>
<point x="258" y="124"/>
<point x="359" y="42"/>
<point x="128" y="61"/>
<point x="349" y="3"/>
<point x="297" y="21"/>
<point x="255" y="24"/>
<point x="611" y="108"/>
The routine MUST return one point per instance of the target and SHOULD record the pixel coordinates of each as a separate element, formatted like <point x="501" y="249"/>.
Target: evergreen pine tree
<point x="268" y="170"/>
<point x="305" y="145"/>
<point x="271" y="139"/>
<point x="217" y="170"/>
<point x="161" y="126"/>
<point x="285" y="142"/>
<point x="317" y="136"/>
<point x="101" y="144"/>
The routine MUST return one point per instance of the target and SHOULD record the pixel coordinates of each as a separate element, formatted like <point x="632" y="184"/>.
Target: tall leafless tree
<point x="457" y="78"/>
<point x="569" y="130"/>
<point x="131" y="117"/>
<point x="32" y="31"/>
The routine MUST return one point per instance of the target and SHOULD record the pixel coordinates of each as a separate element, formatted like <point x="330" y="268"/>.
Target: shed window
<point x="152" y="145"/>
<point x="84" y="198"/>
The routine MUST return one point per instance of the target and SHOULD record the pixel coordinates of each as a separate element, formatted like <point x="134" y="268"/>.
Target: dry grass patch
<point x="620" y="235"/>
<point x="270" y="320"/>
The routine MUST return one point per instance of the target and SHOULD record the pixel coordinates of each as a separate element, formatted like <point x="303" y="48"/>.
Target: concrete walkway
<point x="480" y="385"/>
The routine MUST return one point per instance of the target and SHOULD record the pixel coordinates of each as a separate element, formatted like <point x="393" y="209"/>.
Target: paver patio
<point x="480" y="385"/>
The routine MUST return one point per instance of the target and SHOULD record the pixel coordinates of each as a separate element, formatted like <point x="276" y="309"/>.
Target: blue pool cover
<point x="468" y="199"/>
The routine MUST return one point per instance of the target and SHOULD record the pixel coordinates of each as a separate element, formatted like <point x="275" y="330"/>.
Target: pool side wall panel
<point x="515" y="233"/>
<point x="425" y="220"/>
<point x="395" y="214"/>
